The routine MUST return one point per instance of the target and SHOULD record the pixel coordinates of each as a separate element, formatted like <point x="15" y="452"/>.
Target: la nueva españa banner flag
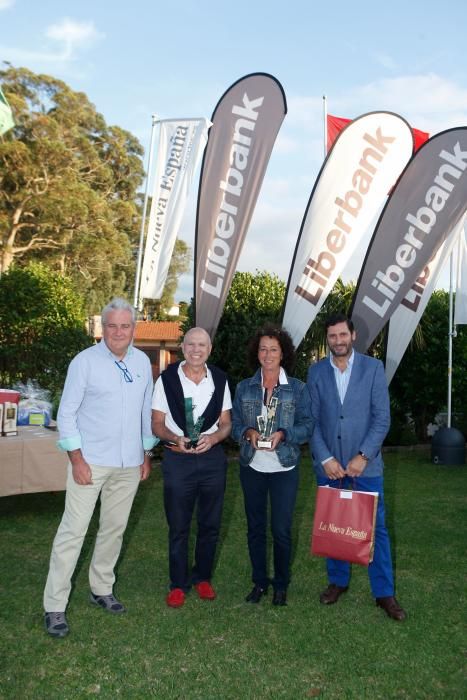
<point x="245" y="124"/>
<point x="350" y="189"/>
<point x="428" y="201"/>
<point x="406" y="317"/>
<point x="181" y="144"/>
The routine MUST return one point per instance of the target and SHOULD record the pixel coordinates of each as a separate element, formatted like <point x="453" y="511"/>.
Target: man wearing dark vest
<point x="191" y="415"/>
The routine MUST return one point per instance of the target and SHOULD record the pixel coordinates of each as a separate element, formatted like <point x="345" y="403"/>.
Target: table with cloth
<point x="31" y="462"/>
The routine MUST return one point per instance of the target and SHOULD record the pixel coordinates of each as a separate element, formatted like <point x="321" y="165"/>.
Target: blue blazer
<point x="359" y="424"/>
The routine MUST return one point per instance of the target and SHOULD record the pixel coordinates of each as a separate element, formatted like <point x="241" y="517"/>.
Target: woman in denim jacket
<point x="270" y="469"/>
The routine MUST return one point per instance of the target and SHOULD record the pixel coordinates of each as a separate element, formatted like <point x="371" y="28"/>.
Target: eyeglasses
<point x="126" y="372"/>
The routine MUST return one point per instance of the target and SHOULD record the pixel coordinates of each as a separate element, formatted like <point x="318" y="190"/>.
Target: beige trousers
<point x="117" y="488"/>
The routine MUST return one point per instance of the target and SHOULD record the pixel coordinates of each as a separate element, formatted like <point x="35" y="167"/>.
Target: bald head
<point x="196" y="347"/>
<point x="199" y="332"/>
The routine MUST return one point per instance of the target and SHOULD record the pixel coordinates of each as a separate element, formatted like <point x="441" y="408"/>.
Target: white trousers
<point x="117" y="488"/>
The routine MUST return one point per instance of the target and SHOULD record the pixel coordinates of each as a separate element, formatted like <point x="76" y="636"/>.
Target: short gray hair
<point x="118" y="304"/>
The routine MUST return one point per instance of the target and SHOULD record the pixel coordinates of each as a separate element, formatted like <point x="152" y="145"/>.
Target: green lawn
<point x="229" y="649"/>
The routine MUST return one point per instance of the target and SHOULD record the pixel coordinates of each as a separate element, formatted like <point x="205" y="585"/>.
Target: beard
<point x="341" y="349"/>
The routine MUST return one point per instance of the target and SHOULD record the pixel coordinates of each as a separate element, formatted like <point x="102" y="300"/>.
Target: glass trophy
<point x="193" y="428"/>
<point x="265" y="424"/>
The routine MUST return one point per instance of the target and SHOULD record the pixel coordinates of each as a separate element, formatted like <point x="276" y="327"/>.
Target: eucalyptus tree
<point x="68" y="187"/>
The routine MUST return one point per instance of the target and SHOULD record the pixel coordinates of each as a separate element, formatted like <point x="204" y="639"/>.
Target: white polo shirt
<point x="200" y="395"/>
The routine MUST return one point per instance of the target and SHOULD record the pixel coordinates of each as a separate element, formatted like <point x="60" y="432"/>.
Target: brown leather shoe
<point x="391" y="607"/>
<point x="332" y="594"/>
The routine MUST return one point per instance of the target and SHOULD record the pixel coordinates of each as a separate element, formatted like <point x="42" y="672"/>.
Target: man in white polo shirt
<point x="104" y="421"/>
<point x="191" y="414"/>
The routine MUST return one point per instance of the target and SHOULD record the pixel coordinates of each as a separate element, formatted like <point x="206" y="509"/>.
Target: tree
<point x="420" y="385"/>
<point x="68" y="187"/>
<point x="42" y="326"/>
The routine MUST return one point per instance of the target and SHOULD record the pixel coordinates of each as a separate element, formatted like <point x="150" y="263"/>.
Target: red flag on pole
<point x="336" y="124"/>
<point x="334" y="128"/>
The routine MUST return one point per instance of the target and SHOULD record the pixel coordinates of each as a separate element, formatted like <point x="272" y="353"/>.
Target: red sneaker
<point x="175" y="598"/>
<point x="205" y="590"/>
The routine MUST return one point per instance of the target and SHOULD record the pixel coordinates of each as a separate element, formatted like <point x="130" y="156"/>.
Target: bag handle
<point x="352" y="484"/>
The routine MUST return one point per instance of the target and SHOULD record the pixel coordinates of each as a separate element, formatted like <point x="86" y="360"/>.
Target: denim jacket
<point x="293" y="415"/>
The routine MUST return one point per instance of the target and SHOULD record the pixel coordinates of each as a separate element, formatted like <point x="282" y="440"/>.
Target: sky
<point x="134" y="60"/>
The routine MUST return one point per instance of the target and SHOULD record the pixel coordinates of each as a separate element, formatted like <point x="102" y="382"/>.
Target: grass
<point x="226" y="648"/>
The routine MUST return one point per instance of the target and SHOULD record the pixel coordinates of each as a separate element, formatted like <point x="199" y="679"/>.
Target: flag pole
<point x="452" y="326"/>
<point x="136" y="300"/>
<point x="325" y="124"/>
<point x="451" y="335"/>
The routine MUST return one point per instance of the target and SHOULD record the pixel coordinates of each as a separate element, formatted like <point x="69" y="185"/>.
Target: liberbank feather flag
<point x="350" y="189"/>
<point x="181" y="143"/>
<point x="6" y="117"/>
<point x="245" y="125"/>
<point x="428" y="201"/>
<point x="406" y="317"/>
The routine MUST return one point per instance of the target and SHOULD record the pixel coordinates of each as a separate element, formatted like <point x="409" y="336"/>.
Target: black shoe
<point x="279" y="598"/>
<point x="256" y="594"/>
<point x="332" y="594"/>
<point x="391" y="607"/>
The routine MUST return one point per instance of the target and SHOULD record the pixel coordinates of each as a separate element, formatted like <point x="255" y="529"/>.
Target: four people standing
<point x="105" y="425"/>
<point x="269" y="471"/>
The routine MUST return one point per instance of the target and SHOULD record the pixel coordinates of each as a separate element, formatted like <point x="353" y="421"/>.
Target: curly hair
<point x="284" y="339"/>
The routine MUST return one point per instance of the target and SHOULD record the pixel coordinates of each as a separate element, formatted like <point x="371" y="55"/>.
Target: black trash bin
<point x="448" y="446"/>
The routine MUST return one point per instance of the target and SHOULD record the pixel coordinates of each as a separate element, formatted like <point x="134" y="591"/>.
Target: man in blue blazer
<point x="350" y="405"/>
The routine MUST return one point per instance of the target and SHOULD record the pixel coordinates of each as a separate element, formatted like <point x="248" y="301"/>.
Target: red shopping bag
<point x="344" y="524"/>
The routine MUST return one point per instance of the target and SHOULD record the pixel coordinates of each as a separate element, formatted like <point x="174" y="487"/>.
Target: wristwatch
<point x="362" y="454"/>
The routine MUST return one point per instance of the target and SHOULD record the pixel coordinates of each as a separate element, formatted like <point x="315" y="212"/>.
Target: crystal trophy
<point x="265" y="424"/>
<point x="193" y="428"/>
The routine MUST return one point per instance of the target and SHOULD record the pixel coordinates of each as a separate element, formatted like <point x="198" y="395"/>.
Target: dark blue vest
<point x="174" y="394"/>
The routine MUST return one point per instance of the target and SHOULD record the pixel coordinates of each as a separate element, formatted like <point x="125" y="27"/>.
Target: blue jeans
<point x="281" y="487"/>
<point x="380" y="569"/>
